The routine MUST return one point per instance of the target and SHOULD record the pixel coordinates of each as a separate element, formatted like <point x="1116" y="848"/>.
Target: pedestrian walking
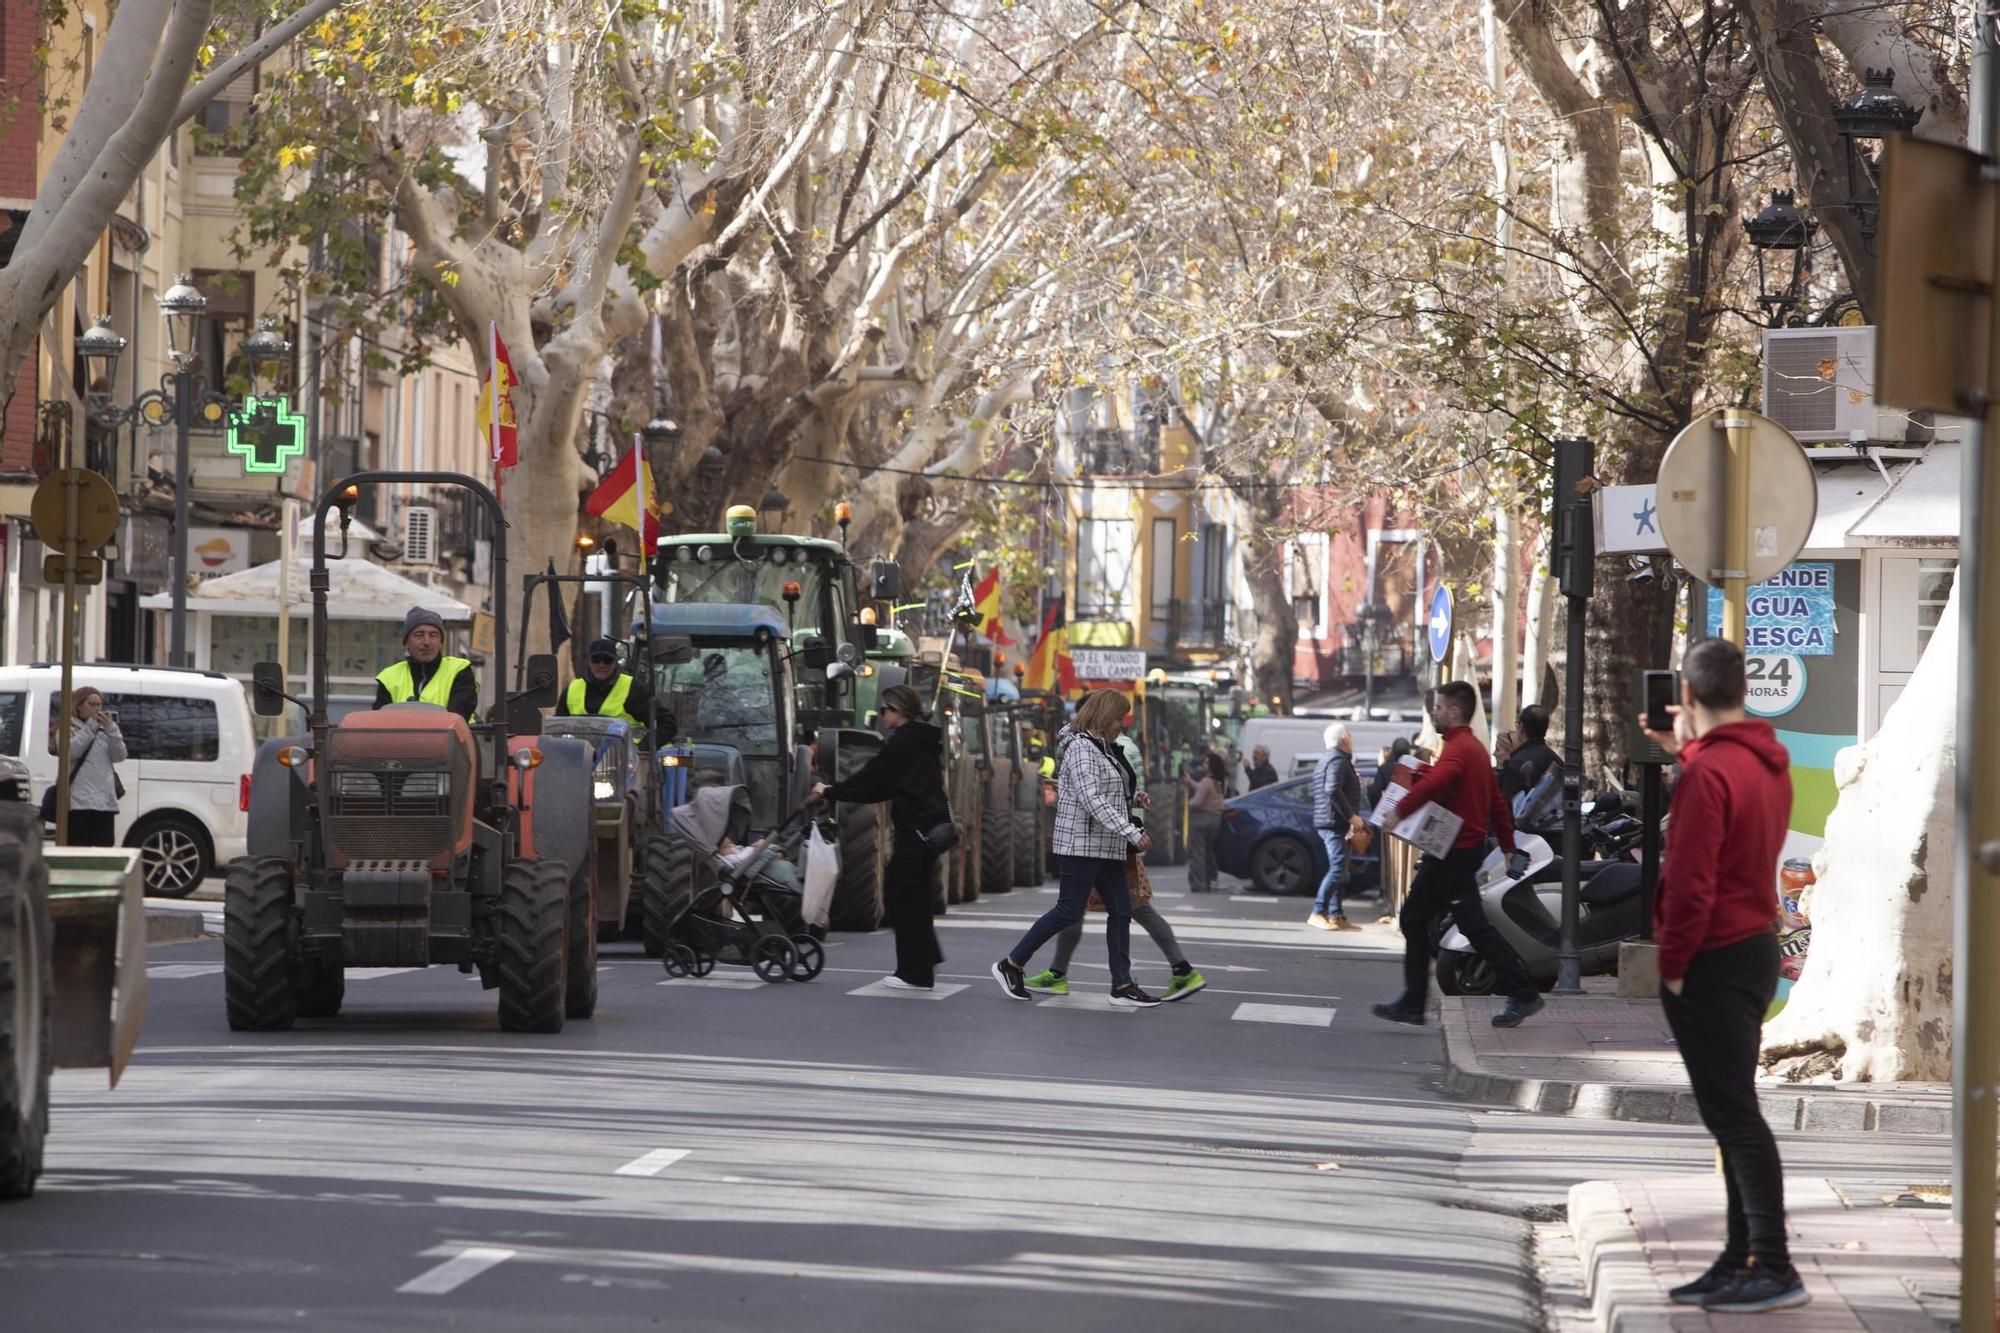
<point x="907" y="772"/>
<point x="1718" y="959"/>
<point x="1461" y="780"/>
<point x="1336" y="793"/>
<point x="95" y="747"/>
<point x="1205" y="798"/>
<point x="1095" y="836"/>
<point x="1261" y="773"/>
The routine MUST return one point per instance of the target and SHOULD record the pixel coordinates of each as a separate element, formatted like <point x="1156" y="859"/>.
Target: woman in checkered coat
<point x="1095" y="834"/>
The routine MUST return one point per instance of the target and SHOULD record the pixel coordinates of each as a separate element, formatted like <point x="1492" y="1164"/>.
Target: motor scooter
<point x="1527" y="911"/>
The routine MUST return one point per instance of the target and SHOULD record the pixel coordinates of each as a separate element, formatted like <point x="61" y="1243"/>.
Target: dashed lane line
<point x="652" y="1163"/>
<point x="1297" y="1015"/>
<point x="877" y="989"/>
<point x="456" y="1271"/>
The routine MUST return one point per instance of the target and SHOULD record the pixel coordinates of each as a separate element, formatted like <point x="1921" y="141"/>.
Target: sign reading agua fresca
<point x="1789" y="614"/>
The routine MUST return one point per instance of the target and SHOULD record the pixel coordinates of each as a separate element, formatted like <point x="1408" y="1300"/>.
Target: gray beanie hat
<point x="418" y="615"/>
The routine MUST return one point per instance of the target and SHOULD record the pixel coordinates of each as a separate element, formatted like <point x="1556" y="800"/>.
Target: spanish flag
<point x="626" y="494"/>
<point x="496" y="403"/>
<point x="1049" y="665"/>
<point x="986" y="600"/>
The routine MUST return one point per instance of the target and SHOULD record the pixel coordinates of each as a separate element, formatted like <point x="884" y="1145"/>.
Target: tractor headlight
<point x="779" y="555"/>
<point x="704" y="554"/>
<point x="602" y="790"/>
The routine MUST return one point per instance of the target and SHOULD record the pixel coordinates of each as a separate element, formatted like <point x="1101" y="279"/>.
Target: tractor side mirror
<point x="524" y="715"/>
<point x="885" y="581"/>
<point x="541" y="682"/>
<point x="672" y="649"/>
<point x="816" y="651"/>
<point x="267" y="689"/>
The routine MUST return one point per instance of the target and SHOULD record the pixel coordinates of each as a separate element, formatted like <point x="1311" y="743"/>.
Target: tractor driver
<point x="426" y="675"/>
<point x="605" y="691"/>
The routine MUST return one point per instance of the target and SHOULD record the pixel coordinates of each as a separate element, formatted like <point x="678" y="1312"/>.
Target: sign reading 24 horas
<point x="1791" y="614"/>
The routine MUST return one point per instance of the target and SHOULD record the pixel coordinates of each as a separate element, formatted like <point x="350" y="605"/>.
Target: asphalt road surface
<point x="728" y="1154"/>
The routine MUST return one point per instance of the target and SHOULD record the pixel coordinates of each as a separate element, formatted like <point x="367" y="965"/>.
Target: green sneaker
<point x="1179" y="988"/>
<point x="1049" y="983"/>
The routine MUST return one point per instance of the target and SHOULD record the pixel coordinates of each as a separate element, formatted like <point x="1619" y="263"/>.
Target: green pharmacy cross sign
<point x="266" y="434"/>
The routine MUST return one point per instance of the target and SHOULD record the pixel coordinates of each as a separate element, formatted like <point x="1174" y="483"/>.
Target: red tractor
<point x="402" y="837"/>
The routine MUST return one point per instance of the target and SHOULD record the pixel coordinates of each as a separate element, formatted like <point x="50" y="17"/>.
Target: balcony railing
<point x="1199" y="625"/>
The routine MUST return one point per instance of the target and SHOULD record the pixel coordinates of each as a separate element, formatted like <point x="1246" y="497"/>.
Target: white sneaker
<point x="894" y="982"/>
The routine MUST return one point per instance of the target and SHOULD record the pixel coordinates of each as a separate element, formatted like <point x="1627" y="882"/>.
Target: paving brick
<point x="1912" y="1118"/>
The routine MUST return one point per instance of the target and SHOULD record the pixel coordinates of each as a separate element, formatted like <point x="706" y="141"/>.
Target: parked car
<point x="1268" y="838"/>
<point x="187" y="780"/>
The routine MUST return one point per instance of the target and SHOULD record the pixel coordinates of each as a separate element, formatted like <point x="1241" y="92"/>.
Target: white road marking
<point x="652" y="1163"/>
<point x="1095" y="1002"/>
<point x="456" y="1271"/>
<point x="938" y="992"/>
<point x="1300" y="1015"/>
<point x="715" y="983"/>
<point x="370" y="973"/>
<point x="181" y="971"/>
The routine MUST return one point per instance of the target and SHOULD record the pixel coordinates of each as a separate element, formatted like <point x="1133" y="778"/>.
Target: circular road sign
<point x="96" y="510"/>
<point x="1438" y="627"/>
<point x="1784" y="497"/>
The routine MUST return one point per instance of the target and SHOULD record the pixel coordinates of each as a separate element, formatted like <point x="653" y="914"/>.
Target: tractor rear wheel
<point x="1162" y="823"/>
<point x="996" y="851"/>
<point x="857" y="894"/>
<point x="528" y="952"/>
<point x="1027" y="848"/>
<point x="27" y="1000"/>
<point x="669" y="888"/>
<point x="580" y="991"/>
<point x="259" y="929"/>
<point x="321" y="987"/>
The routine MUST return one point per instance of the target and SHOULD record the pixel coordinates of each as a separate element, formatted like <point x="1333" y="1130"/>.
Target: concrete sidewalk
<point x="1886" y="1264"/>
<point x="1598" y="1056"/>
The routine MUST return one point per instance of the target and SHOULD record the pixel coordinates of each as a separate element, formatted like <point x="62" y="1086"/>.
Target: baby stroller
<point x="751" y="911"/>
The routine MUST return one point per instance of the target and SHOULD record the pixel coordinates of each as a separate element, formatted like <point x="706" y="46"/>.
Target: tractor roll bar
<point x="321" y="583"/>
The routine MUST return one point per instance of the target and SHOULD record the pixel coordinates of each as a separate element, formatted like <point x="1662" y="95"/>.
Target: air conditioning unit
<point x="1819" y="384"/>
<point x="420" y="535"/>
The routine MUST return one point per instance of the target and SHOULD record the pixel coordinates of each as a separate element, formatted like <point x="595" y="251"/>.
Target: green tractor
<point x="813" y="585"/>
<point x="722" y="672"/>
<point x="989" y="735"/>
<point x="1175" y="728"/>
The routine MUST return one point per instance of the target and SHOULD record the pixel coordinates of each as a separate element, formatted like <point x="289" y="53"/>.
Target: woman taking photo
<point x="1205" y="800"/>
<point x="1094" y="835"/>
<point x="95" y="744"/>
<point x="907" y="773"/>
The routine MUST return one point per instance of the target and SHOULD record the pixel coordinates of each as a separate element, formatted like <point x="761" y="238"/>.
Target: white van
<point x="187" y="780"/>
<point x="1291" y="738"/>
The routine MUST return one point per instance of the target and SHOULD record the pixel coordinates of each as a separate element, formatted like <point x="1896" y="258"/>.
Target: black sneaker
<point x="1518" y="1011"/>
<point x="1755" y="1290"/>
<point x="1396" y="1013"/>
<point x="1010" y="979"/>
<point x="1719" y="1275"/>
<point x="1127" y="995"/>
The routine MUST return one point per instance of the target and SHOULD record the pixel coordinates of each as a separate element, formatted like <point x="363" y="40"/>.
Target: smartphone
<point x="1663" y="689"/>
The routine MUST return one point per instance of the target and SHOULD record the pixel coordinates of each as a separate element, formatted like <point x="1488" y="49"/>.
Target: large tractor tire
<point x="320" y="987"/>
<point x="668" y="890"/>
<point x="1163" y="824"/>
<point x="528" y="952"/>
<point x="857" y="894"/>
<point x="580" y="946"/>
<point x="27" y="1000"/>
<point x="1027" y="826"/>
<point x="996" y="851"/>
<point x="259" y="941"/>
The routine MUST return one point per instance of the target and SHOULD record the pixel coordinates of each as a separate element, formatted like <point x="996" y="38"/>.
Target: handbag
<point x="1138" y="885"/>
<point x="1360" y="838"/>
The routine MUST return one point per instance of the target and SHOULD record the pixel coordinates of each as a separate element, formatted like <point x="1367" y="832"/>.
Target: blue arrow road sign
<point x="1440" y="624"/>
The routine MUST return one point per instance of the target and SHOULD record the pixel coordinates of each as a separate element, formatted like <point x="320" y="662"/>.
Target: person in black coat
<point x="1525" y="756"/>
<point x="908" y="773"/>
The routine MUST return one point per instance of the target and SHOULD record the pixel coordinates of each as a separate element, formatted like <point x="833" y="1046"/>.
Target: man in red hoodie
<point x="1719" y="961"/>
<point x="1462" y="781"/>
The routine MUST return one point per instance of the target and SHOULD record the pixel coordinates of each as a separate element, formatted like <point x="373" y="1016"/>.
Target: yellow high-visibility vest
<point x="613" y="704"/>
<point x="401" y="683"/>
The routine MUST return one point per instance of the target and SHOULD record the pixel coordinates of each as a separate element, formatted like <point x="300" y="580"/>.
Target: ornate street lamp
<point x="1781" y="227"/>
<point x="100" y="349"/>
<point x="660" y="431"/>
<point x="1870" y="114"/>
<point x="267" y="350"/>
<point x="774" y="506"/>
<point x="183" y="308"/>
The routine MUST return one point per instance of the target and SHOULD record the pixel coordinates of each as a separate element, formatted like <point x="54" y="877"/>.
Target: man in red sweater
<point x="1719" y="961"/>
<point x="1462" y="781"/>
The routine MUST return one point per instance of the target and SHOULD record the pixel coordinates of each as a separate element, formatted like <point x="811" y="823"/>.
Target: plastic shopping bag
<point x="822" y="870"/>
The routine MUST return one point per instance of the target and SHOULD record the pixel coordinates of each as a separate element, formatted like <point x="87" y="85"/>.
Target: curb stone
<point x="170" y="926"/>
<point x="1810" y="1106"/>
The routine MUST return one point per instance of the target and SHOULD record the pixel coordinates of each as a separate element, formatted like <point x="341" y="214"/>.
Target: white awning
<point x="1846" y="493"/>
<point x="1921" y="508"/>
<point x="358" y="589"/>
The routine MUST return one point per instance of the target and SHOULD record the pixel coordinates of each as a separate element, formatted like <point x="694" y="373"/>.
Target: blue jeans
<point x="1328" y="901"/>
<point x="1081" y="874"/>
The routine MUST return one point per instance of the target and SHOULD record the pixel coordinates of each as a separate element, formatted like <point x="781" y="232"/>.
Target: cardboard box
<point x="1431" y="828"/>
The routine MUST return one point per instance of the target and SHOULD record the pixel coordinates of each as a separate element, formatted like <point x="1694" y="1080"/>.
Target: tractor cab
<point x="728" y="686"/>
